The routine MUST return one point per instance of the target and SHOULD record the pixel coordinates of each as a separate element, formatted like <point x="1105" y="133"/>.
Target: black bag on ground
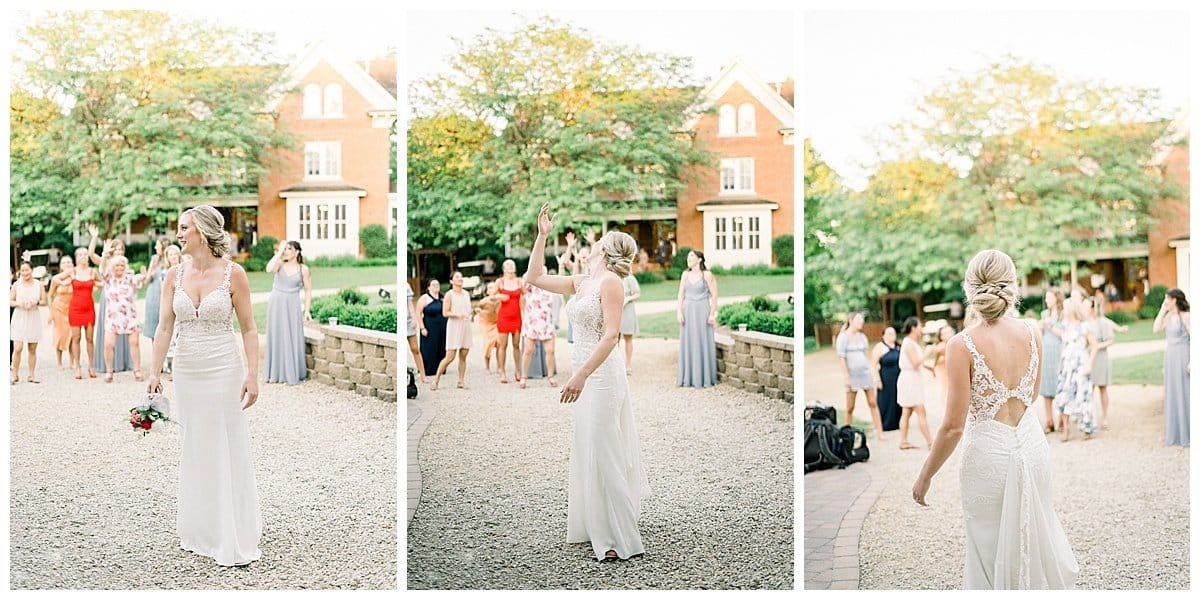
<point x="852" y="445"/>
<point x="821" y="439"/>
<point x="412" y="385"/>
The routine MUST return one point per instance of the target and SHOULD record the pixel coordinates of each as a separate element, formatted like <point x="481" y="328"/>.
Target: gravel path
<point x="494" y="473"/>
<point x="1122" y="498"/>
<point x="93" y="503"/>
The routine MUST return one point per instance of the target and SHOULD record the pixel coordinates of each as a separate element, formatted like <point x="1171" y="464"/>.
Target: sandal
<point x="137" y="376"/>
<point x="521" y="382"/>
<point x="553" y="382"/>
<point x="15" y="379"/>
<point x="30" y="379"/>
<point x="906" y="446"/>
<point x="462" y="386"/>
<point x="108" y="377"/>
<point x="610" y="555"/>
<point x="91" y="373"/>
<point x="503" y="379"/>
<point x="78" y="375"/>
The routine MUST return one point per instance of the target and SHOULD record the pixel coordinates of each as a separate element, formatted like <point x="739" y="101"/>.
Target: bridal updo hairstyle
<point x="211" y="225"/>
<point x="620" y="250"/>
<point x="991" y="284"/>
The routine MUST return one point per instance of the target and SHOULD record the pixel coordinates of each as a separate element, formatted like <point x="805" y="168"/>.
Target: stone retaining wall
<point x="353" y="358"/>
<point x="759" y="362"/>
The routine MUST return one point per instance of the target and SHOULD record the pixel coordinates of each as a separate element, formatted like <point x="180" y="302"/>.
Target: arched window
<point x="727" y="125"/>
<point x="333" y="100"/>
<point x="746" y="119"/>
<point x="312" y="100"/>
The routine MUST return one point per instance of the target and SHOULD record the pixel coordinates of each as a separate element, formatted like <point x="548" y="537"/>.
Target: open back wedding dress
<point x="1014" y="539"/>
<point x="218" y="503"/>
<point x="606" y="482"/>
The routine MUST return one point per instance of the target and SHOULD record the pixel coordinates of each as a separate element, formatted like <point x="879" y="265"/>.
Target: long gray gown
<point x="285" y="330"/>
<point x="122" y="356"/>
<point x="697" y="346"/>
<point x="1176" y="380"/>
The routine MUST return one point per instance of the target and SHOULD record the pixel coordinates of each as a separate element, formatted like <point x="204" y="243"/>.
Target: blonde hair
<point x="211" y="225"/>
<point x="1075" y="308"/>
<point x="620" y="250"/>
<point x="991" y="284"/>
<point x="118" y="260"/>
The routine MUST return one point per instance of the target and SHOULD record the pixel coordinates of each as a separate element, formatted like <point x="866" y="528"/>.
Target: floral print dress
<point x="1074" y="394"/>
<point x="120" y="303"/>
<point x="538" y="314"/>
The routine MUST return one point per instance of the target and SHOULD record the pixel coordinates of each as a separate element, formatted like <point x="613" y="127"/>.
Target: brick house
<point x="336" y="181"/>
<point x="733" y="211"/>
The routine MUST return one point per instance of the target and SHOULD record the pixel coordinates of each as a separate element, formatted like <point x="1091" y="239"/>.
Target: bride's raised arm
<point x="958" y="397"/>
<point x="535" y="272"/>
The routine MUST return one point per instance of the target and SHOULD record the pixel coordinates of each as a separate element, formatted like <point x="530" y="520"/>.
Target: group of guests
<point x="521" y="321"/>
<point x="113" y="325"/>
<point x="1075" y="369"/>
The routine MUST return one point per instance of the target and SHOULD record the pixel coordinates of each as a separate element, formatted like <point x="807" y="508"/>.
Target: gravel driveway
<point x="93" y="503"/>
<point x="494" y="471"/>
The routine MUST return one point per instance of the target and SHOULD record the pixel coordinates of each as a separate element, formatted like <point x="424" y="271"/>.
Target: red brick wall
<point x="365" y="153"/>
<point x="774" y="169"/>
<point x="1172" y="215"/>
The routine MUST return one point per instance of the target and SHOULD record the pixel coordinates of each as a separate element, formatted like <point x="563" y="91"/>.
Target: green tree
<point x="1011" y="157"/>
<point x="148" y="109"/>
<point x="571" y="120"/>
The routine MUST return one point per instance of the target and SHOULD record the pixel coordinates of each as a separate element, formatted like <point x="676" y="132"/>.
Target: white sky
<point x="864" y="70"/>
<point x="764" y="39"/>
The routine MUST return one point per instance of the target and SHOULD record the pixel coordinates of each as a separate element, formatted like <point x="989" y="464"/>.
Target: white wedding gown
<point x="606" y="482"/>
<point x="218" y="503"/>
<point x="1014" y="539"/>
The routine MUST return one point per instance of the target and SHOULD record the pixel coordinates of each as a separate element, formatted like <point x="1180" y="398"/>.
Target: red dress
<point x="508" y="320"/>
<point x="82" y="311"/>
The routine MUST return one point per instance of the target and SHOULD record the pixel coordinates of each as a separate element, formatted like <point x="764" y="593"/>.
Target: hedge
<point x="356" y="312"/>
<point x="783" y="324"/>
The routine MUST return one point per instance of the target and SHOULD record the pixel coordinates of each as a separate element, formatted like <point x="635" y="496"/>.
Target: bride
<point x="1014" y="539"/>
<point x="606" y="481"/>
<point x="218" y="504"/>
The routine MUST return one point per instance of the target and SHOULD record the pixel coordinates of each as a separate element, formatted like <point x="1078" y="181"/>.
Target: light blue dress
<point x="153" y="296"/>
<point x="1051" y="351"/>
<point x="697" y="345"/>
<point x="285" y="330"/>
<point x="1176" y="382"/>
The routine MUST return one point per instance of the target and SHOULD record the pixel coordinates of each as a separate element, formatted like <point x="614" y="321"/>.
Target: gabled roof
<point x="738" y="72"/>
<point x="378" y="98"/>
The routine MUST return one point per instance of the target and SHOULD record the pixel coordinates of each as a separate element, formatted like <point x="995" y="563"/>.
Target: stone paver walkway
<point x="835" y="504"/>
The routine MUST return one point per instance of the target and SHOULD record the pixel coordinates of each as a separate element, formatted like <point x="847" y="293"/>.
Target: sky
<point x="864" y="70"/>
<point x="765" y="40"/>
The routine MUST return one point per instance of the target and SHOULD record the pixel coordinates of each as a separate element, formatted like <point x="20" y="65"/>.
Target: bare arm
<point x="682" y="287"/>
<point x="958" y="396"/>
<point x="419" y="314"/>
<point x="239" y="288"/>
<point x="12" y="296"/>
<point x="711" y="280"/>
<point x="611" y="292"/>
<point x="535" y="272"/>
<point x="166" y="326"/>
<point x="1160" y="321"/>
<point x="277" y="260"/>
<point x="876" y="367"/>
<point x="307" y="275"/>
<point x="1186" y="319"/>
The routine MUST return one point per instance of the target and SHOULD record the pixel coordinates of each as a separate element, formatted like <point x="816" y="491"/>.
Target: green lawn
<point x="1145" y="369"/>
<point x="727" y="285"/>
<point x="1140" y="331"/>
<point x="322" y="278"/>
<point x="658" y="325"/>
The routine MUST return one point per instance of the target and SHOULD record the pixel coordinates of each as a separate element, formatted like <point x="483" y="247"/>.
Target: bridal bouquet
<point x="153" y="408"/>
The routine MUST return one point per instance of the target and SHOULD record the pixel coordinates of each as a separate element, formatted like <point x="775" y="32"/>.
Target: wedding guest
<point x="287" y="313"/>
<point x="81" y="315"/>
<point x="885" y="358"/>
<point x="1174" y="317"/>
<point x="851" y="347"/>
<point x="120" y="312"/>
<point x="413" y="346"/>
<point x="1104" y="329"/>
<point x="697" y="316"/>
<point x="432" y="325"/>
<point x="629" y="321"/>
<point x="60" y="306"/>
<point x="538" y="326"/>
<point x="508" y="320"/>
<point x="910" y="387"/>
<point x="122" y="357"/>
<point x="488" y="311"/>
<point x="1074" y="399"/>
<point x="456" y="308"/>
<point x="25" y="323"/>
<point x="156" y="272"/>
<point x="1051" y="325"/>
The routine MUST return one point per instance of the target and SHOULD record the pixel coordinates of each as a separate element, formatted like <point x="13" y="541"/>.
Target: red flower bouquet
<point x="143" y="416"/>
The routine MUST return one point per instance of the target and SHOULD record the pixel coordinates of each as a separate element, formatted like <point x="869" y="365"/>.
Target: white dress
<point x="910" y="388"/>
<point x="606" y="481"/>
<point x="218" y="502"/>
<point x="1014" y="539"/>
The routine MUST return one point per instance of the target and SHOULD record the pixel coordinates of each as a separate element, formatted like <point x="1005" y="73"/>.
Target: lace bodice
<point x="988" y="394"/>
<point x="587" y="320"/>
<point x="212" y="316"/>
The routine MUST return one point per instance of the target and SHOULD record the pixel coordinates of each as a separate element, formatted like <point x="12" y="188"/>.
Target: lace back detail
<point x="988" y="394"/>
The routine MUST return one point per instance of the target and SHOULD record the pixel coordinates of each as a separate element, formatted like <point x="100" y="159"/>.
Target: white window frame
<point x="332" y="107"/>
<point x="728" y="243"/>
<point x="726" y="120"/>
<point x="328" y="161"/>
<point x="339" y="222"/>
<point x="721" y="233"/>
<point x="312" y="101"/>
<point x="313" y="218"/>
<point x="736" y="176"/>
<point x="753" y="233"/>
<point x="746" y="119"/>
<point x="304" y="222"/>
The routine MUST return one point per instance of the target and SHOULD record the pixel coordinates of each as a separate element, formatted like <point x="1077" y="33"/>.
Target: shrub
<point x="752" y="270"/>
<point x="353" y="296"/>
<point x="375" y="241"/>
<point x="673" y="274"/>
<point x="378" y="318"/>
<point x="1154" y="300"/>
<point x="1034" y="302"/>
<point x="1121" y="317"/>
<point x="254" y="264"/>
<point x="264" y="249"/>
<point x="763" y="303"/>
<point x="347" y="260"/>
<point x="679" y="261"/>
<point x="645" y="277"/>
<point x="731" y="315"/>
<point x="784" y="249"/>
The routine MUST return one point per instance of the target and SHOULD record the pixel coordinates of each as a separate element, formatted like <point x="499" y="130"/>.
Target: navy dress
<point x="433" y="345"/>
<point x="889" y="372"/>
